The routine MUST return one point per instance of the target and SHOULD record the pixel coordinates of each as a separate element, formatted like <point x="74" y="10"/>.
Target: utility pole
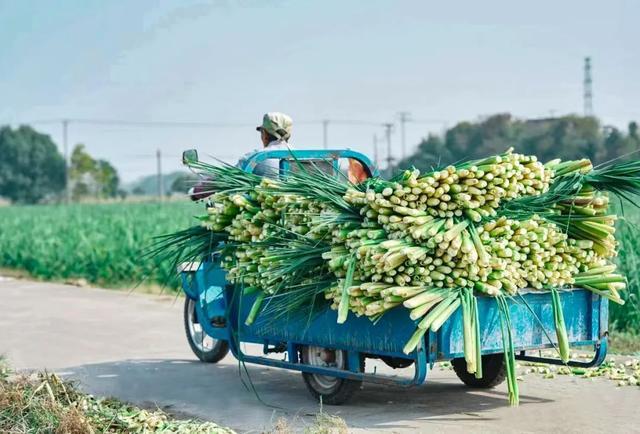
<point x="375" y="150"/>
<point x="65" y="144"/>
<point x="387" y="133"/>
<point x="325" y="132"/>
<point x="588" y="92"/>
<point x="159" y="167"/>
<point x="404" y="118"/>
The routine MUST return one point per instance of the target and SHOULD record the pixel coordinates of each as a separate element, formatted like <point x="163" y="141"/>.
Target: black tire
<point x="396" y="362"/>
<point x="330" y="390"/>
<point x="494" y="372"/>
<point x="218" y="350"/>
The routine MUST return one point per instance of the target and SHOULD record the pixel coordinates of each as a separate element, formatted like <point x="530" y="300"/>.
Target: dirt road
<point x="133" y="347"/>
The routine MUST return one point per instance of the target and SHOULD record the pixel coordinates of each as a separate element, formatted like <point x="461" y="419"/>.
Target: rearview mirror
<point x="189" y="156"/>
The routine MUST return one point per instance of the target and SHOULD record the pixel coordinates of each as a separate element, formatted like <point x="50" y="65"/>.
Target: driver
<point x="275" y="131"/>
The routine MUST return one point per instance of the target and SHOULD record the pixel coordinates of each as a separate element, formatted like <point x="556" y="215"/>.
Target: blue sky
<point x="230" y="61"/>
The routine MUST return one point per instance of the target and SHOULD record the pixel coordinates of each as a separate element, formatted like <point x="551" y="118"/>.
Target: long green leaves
<point x="509" y="350"/>
<point x="561" y="189"/>
<point x="471" y="333"/>
<point x="475" y="323"/>
<point x="561" y="329"/>
<point x="310" y="182"/>
<point x="189" y="245"/>
<point x="623" y="179"/>
<point x="296" y="273"/>
<point x="224" y="178"/>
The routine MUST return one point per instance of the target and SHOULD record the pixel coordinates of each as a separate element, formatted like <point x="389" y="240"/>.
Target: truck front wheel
<point x="206" y="348"/>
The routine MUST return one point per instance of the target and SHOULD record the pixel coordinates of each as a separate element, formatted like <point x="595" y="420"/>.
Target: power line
<point x="187" y="124"/>
<point x="404" y="118"/>
<point x="135" y="123"/>
<point x="428" y="121"/>
<point x="202" y="124"/>
<point x="154" y="155"/>
<point x="166" y="156"/>
<point x="356" y="122"/>
<point x="174" y="124"/>
<point x="39" y="121"/>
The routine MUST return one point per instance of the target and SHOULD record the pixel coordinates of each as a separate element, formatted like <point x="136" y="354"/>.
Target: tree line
<point x="566" y="137"/>
<point x="32" y="170"/>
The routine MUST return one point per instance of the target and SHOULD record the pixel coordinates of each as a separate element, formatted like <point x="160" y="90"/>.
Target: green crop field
<point x="100" y="243"/>
<point x="627" y="317"/>
<point x="103" y="243"/>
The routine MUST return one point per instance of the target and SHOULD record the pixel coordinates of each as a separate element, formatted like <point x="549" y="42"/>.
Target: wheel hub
<point x="199" y="337"/>
<point x="318" y="356"/>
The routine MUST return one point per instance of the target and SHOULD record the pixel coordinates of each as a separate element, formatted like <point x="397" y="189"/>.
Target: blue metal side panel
<point x="586" y="317"/>
<point x="581" y="312"/>
<point x="392" y="331"/>
<point x="601" y="304"/>
<point x="388" y="336"/>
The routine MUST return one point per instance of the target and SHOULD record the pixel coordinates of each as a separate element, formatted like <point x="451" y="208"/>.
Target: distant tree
<point x="183" y="182"/>
<point x="633" y="138"/>
<point x="138" y="191"/>
<point x="90" y="177"/>
<point x="107" y="179"/>
<point x="81" y="173"/>
<point x="431" y="153"/>
<point x="31" y="168"/>
<point x="633" y="131"/>
<point x="615" y="144"/>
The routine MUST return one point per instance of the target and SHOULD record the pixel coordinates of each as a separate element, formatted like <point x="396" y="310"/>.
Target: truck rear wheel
<point x="494" y="371"/>
<point x="206" y="348"/>
<point x="329" y="390"/>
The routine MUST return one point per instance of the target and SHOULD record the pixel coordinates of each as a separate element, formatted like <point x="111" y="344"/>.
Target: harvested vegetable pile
<point x="44" y="403"/>
<point x="429" y="243"/>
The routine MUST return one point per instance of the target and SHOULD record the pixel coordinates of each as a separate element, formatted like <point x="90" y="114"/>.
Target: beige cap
<point x="277" y="124"/>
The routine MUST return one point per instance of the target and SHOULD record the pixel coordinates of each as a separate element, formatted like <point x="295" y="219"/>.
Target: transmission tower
<point x="588" y="93"/>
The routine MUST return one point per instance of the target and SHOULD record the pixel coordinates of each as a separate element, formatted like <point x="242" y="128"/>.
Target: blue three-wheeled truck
<point x="331" y="356"/>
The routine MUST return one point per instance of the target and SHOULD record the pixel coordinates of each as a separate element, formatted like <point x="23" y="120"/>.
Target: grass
<point x="624" y="343"/>
<point x="322" y="423"/>
<point x="43" y="403"/>
<point x="626" y="318"/>
<point x="99" y="244"/>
